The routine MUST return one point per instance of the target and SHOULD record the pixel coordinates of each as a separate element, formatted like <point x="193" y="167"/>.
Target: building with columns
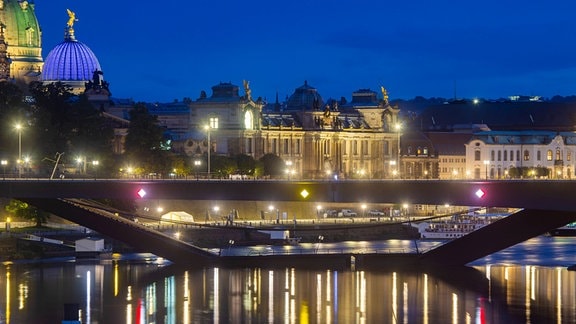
<point x="317" y="139"/>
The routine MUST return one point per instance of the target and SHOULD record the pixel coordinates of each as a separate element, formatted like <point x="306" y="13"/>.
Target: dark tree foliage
<point x="21" y="209"/>
<point x="527" y="172"/>
<point x="145" y="145"/>
<point x="60" y="122"/>
<point x="12" y="112"/>
<point x="245" y="164"/>
<point x="273" y="165"/>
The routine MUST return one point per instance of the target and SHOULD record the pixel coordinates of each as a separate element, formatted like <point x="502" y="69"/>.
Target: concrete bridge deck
<point x="547" y="205"/>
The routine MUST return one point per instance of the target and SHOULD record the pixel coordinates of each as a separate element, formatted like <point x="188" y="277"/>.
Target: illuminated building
<point x="74" y="64"/>
<point x="498" y="154"/>
<point x="23" y="38"/>
<point x="320" y="139"/>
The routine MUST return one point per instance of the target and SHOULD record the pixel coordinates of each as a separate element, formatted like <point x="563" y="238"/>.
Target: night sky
<point x="167" y="50"/>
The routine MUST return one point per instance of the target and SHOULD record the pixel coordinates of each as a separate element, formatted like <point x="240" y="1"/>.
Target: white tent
<point x="176" y="217"/>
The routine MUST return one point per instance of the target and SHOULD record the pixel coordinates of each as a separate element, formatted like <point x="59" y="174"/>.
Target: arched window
<point x="558" y="155"/>
<point x="248" y="120"/>
<point x="477" y="155"/>
<point x="549" y="155"/>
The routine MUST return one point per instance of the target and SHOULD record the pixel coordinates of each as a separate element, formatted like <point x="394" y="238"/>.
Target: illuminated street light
<point x="4" y="164"/>
<point x="18" y="128"/>
<point x="398" y="128"/>
<point x="289" y="170"/>
<point x="363" y="210"/>
<point x="197" y="164"/>
<point x="207" y="128"/>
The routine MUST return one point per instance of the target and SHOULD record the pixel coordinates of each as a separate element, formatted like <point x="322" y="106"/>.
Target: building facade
<point x="316" y="139"/>
<point x="494" y="154"/>
<point x="23" y="37"/>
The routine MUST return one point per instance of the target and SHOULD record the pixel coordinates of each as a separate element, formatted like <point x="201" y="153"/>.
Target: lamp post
<point x="398" y="128"/>
<point x="18" y="128"/>
<point x="197" y="164"/>
<point x="486" y="163"/>
<point x="207" y="128"/>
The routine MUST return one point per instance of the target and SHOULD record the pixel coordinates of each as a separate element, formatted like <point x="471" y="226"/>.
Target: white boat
<point x="457" y="226"/>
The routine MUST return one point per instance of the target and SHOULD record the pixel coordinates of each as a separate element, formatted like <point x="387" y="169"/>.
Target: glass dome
<point x="70" y="60"/>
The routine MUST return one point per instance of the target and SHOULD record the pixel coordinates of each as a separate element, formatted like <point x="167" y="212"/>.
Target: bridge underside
<point x="506" y="232"/>
<point x="495" y="237"/>
<point x="131" y="233"/>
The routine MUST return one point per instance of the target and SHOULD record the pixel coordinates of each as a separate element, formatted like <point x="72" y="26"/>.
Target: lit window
<point x="213" y="122"/>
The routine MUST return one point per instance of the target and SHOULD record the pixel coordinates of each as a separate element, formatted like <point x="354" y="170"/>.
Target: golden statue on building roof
<point x="71" y="18"/>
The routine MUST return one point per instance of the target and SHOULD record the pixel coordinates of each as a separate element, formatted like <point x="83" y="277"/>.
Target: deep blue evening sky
<point x="166" y="50"/>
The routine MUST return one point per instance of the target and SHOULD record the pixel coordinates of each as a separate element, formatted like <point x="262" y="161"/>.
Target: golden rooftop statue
<point x="71" y="18"/>
<point x="384" y="93"/>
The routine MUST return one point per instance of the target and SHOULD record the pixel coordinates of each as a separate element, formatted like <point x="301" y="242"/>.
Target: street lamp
<point x="398" y="128"/>
<point x="18" y="128"/>
<point x="486" y="163"/>
<point x="197" y="164"/>
<point x="363" y="210"/>
<point x="4" y="164"/>
<point x="207" y="128"/>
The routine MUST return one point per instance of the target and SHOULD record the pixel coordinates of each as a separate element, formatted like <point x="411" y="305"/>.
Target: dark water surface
<point x="527" y="283"/>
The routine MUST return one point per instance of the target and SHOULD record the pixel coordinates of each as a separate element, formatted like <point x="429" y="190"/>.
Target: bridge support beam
<point x="127" y="231"/>
<point x="513" y="229"/>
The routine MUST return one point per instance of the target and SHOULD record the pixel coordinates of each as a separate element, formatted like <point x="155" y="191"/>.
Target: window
<point x="248" y="120"/>
<point x="499" y="155"/>
<point x="538" y="155"/>
<point x="286" y="146"/>
<point x="517" y="155"/>
<point x="298" y="146"/>
<point x="213" y="122"/>
<point x="549" y="155"/>
<point x="558" y="155"/>
<point x="569" y="156"/>
<point x="526" y="155"/>
<point x="425" y="151"/>
<point x="477" y="155"/>
<point x="511" y="155"/>
<point x="365" y="147"/>
<point x="492" y="155"/>
<point x="505" y="155"/>
<point x="355" y="147"/>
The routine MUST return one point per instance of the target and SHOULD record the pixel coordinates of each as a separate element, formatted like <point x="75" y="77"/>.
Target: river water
<point x="527" y="283"/>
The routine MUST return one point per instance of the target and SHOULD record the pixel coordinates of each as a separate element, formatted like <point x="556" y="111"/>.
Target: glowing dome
<point x="70" y="60"/>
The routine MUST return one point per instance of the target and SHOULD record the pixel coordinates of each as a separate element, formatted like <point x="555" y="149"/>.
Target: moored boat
<point x="457" y="226"/>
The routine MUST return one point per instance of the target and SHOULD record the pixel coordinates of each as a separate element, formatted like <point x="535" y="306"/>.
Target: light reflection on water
<point x="148" y="292"/>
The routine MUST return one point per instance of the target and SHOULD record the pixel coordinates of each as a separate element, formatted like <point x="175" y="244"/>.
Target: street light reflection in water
<point x="127" y="291"/>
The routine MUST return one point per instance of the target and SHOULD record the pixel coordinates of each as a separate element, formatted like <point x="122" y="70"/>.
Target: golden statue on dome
<point x="71" y="18"/>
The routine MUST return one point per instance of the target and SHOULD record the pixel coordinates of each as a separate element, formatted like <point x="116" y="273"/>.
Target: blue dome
<point x="70" y="60"/>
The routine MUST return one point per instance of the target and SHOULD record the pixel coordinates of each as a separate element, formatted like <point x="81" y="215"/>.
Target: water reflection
<point x="116" y="292"/>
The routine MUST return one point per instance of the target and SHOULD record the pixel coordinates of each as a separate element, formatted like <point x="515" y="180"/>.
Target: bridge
<point x="545" y="205"/>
